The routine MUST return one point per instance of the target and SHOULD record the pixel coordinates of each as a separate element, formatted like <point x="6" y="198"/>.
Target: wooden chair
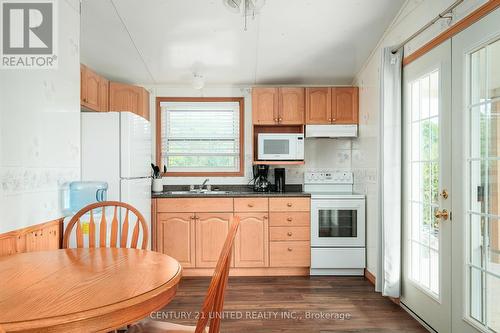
<point x="214" y="300"/>
<point x="140" y="222"/>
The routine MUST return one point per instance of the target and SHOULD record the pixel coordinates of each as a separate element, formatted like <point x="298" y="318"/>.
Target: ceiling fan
<point x="245" y="7"/>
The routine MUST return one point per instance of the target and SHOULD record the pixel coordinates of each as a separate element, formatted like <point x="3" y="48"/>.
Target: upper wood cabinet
<point x="251" y="244"/>
<point x="175" y="237"/>
<point x="126" y="97"/>
<point x="211" y="232"/>
<point x="318" y="105"/>
<point x="265" y="106"/>
<point x="291" y="106"/>
<point x="337" y="105"/>
<point x="93" y="90"/>
<point x="345" y="105"/>
<point x="278" y="106"/>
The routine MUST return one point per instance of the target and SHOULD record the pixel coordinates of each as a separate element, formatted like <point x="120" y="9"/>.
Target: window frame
<point x="239" y="100"/>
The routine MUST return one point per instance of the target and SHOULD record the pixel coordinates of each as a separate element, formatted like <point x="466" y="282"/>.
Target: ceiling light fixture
<point x="245" y="7"/>
<point x="198" y="81"/>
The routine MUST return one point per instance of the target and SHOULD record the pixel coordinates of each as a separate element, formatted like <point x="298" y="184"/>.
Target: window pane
<point x="476" y="294"/>
<point x="200" y="136"/>
<point x="493" y="264"/>
<point x="478" y="76"/>
<point x="205" y="162"/>
<point x="494" y="67"/>
<point x="476" y="239"/>
<point x="493" y="287"/>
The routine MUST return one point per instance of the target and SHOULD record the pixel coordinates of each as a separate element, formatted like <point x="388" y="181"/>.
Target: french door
<point x="451" y="222"/>
<point x="476" y="177"/>
<point x="426" y="284"/>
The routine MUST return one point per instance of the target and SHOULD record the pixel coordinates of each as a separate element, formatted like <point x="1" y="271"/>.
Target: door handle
<point x="444" y="194"/>
<point x="442" y="214"/>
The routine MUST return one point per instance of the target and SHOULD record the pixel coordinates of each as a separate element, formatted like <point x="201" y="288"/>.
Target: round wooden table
<point x="83" y="290"/>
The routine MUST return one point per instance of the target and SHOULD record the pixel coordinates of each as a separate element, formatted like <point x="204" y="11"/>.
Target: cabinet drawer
<point x="289" y="233"/>
<point x="207" y="205"/>
<point x="289" y="204"/>
<point x="250" y="204"/>
<point x="290" y="254"/>
<point x="281" y="219"/>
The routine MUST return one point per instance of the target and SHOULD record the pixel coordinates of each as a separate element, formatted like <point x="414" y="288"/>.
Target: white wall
<point x="319" y="153"/>
<point x="413" y="15"/>
<point x="40" y="131"/>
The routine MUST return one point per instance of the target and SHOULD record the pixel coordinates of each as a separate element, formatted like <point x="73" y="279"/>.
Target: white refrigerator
<point x="116" y="148"/>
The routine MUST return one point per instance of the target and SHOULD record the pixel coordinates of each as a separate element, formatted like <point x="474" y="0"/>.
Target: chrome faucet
<point x="203" y="184"/>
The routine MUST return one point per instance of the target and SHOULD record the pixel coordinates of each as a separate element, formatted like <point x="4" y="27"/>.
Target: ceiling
<point x="288" y="42"/>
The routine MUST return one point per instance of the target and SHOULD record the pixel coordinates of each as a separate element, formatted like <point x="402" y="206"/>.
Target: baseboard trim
<point x="371" y="278"/>
<point x="38" y="237"/>
<point x="266" y="271"/>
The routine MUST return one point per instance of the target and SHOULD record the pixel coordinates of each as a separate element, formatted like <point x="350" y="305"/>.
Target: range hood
<point x="331" y="131"/>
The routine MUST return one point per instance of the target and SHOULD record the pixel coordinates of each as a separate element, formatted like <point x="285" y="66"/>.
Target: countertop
<point x="172" y="191"/>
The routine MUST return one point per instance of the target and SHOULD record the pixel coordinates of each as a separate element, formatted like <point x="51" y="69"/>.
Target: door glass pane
<point x="493" y="315"/>
<point x="337" y="223"/>
<point x="483" y="234"/>
<point x="476" y="294"/>
<point x="494" y="70"/>
<point x="424" y="169"/>
<point x="478" y="76"/>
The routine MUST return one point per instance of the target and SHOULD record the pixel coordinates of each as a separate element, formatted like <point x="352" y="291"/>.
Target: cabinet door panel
<point x="91" y="97"/>
<point x="211" y="232"/>
<point x="291" y="106"/>
<point x="265" y="106"/>
<point x="119" y="97"/>
<point x="176" y="237"/>
<point x="103" y="95"/>
<point x="345" y="105"/>
<point x="251" y="245"/>
<point x="318" y="105"/>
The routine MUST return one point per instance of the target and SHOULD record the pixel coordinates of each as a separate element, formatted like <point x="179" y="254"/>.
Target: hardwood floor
<point x="251" y="298"/>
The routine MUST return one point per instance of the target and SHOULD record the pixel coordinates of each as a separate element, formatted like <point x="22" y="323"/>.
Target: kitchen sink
<point x="198" y="192"/>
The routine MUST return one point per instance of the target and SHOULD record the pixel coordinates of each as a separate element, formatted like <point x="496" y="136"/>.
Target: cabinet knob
<point x="193" y="217"/>
<point x="279" y="120"/>
<point x="290" y="234"/>
<point x="334" y="120"/>
<point x="290" y="249"/>
<point x="289" y="219"/>
<point x="275" y="120"/>
<point x="250" y="205"/>
<point x="265" y="217"/>
<point x="330" y="119"/>
<point x="289" y="204"/>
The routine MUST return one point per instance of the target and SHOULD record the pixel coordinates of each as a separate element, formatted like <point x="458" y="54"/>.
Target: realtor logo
<point x="28" y="34"/>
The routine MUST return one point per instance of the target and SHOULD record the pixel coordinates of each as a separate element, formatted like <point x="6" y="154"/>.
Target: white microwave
<point x="280" y="146"/>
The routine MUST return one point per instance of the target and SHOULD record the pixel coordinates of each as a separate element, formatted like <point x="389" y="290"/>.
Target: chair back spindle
<point x="139" y="227"/>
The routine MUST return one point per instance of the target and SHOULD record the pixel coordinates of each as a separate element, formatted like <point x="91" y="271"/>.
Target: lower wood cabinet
<point x="211" y="232"/>
<point x="290" y="254"/>
<point x="251" y="245"/>
<point x="273" y="237"/>
<point x="175" y="236"/>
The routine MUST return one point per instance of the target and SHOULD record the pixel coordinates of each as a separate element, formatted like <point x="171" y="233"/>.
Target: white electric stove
<point x="338" y="245"/>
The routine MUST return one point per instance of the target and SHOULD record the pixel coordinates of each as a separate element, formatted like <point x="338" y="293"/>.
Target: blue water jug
<point x="83" y="193"/>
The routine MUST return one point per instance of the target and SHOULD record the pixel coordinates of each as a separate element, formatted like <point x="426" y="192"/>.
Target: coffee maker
<point x="279" y="179"/>
<point x="260" y="182"/>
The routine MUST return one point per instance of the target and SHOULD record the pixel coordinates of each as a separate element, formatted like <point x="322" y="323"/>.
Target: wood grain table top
<point x="99" y="289"/>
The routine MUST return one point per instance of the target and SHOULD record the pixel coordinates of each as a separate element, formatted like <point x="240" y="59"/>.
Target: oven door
<point x="338" y="223"/>
<point x="276" y="148"/>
